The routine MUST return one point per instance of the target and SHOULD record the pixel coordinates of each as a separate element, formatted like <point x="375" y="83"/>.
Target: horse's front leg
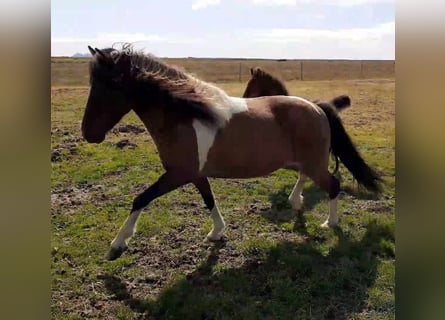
<point x="167" y="182"/>
<point x="203" y="186"/>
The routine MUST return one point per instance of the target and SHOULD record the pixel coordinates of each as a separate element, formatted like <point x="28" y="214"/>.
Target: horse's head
<point x="109" y="97"/>
<point x="262" y="83"/>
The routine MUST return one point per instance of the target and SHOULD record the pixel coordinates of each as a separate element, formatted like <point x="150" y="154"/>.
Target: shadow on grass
<point x="360" y="192"/>
<point x="287" y="281"/>
<point x="281" y="210"/>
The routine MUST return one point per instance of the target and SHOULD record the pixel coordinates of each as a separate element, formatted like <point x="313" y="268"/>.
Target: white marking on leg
<point x="205" y="134"/>
<point x="126" y="231"/>
<point x="296" y="198"/>
<point x="218" y="224"/>
<point x="332" y="220"/>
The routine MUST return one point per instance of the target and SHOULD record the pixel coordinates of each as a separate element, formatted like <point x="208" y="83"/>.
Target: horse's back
<point x="291" y="113"/>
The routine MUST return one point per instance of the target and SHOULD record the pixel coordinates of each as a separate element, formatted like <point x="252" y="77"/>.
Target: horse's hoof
<point x="329" y="224"/>
<point x="115" y="253"/>
<point x="217" y="237"/>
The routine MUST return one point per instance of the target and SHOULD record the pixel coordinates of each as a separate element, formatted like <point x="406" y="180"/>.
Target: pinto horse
<point x="201" y="132"/>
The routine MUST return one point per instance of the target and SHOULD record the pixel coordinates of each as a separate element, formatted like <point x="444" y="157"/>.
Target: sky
<point x="273" y="29"/>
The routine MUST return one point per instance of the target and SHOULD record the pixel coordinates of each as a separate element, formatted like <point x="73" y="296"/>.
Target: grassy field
<point x="275" y="265"/>
<point x="74" y="72"/>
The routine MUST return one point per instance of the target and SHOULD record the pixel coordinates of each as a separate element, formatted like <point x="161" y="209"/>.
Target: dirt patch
<point x="67" y="135"/>
<point x="129" y="128"/>
<point x="64" y="151"/>
<point x="182" y="251"/>
<point x="125" y="143"/>
<point x="67" y="200"/>
<point x="377" y="206"/>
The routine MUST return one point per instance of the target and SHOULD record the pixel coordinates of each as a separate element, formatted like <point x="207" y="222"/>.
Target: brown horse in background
<point x="262" y="83"/>
<point x="201" y="132"/>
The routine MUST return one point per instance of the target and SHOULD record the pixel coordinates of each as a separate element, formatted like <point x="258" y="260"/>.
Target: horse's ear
<point x="256" y="71"/>
<point x="251" y="71"/>
<point x="91" y="51"/>
<point x="103" y="55"/>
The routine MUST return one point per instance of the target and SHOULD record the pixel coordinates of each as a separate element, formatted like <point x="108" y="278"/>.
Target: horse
<point x="262" y="83"/>
<point x="201" y="132"/>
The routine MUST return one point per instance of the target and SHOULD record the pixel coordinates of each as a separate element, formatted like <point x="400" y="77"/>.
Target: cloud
<point x="320" y="16"/>
<point x="340" y="3"/>
<point x="313" y="35"/>
<point x="377" y="42"/>
<point x="104" y="37"/>
<point x="276" y="2"/>
<point x="66" y="46"/>
<point x="352" y="3"/>
<point x="201" y="4"/>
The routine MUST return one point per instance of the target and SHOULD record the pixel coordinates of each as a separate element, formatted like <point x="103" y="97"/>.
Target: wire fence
<point x="69" y="71"/>
<point x="232" y="70"/>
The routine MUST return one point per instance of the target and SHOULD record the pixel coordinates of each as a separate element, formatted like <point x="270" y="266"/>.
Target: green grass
<point x="274" y="266"/>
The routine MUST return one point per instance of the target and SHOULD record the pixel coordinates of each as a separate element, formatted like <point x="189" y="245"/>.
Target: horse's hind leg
<point x="296" y="198"/>
<point x="331" y="185"/>
<point x="203" y="186"/>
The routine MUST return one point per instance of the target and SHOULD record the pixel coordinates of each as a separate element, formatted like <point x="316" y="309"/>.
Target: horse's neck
<point x="154" y="119"/>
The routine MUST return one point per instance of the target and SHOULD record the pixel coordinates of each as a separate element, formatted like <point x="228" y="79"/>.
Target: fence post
<point x="239" y="72"/>
<point x="361" y="69"/>
<point x="301" y="70"/>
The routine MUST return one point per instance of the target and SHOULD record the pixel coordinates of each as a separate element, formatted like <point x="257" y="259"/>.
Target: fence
<point x="67" y="71"/>
<point x="237" y="69"/>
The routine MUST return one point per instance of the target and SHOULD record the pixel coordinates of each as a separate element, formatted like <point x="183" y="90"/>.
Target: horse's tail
<point x="341" y="102"/>
<point x="343" y="148"/>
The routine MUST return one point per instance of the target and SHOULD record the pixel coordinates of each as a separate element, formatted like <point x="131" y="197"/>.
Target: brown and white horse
<point x="202" y="132"/>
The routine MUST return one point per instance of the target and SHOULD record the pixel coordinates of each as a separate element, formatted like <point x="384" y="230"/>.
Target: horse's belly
<point x="240" y="171"/>
<point x="247" y="156"/>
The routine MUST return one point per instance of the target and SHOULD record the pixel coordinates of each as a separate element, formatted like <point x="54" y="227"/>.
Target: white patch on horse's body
<point x="218" y="224"/>
<point x="236" y="105"/>
<point x="225" y="105"/>
<point x="205" y="135"/>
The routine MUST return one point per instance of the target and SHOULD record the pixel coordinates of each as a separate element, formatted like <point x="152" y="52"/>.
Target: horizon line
<point x="240" y="58"/>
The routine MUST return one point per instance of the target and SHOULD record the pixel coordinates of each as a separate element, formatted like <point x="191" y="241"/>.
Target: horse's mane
<point x="279" y="84"/>
<point x="191" y="97"/>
